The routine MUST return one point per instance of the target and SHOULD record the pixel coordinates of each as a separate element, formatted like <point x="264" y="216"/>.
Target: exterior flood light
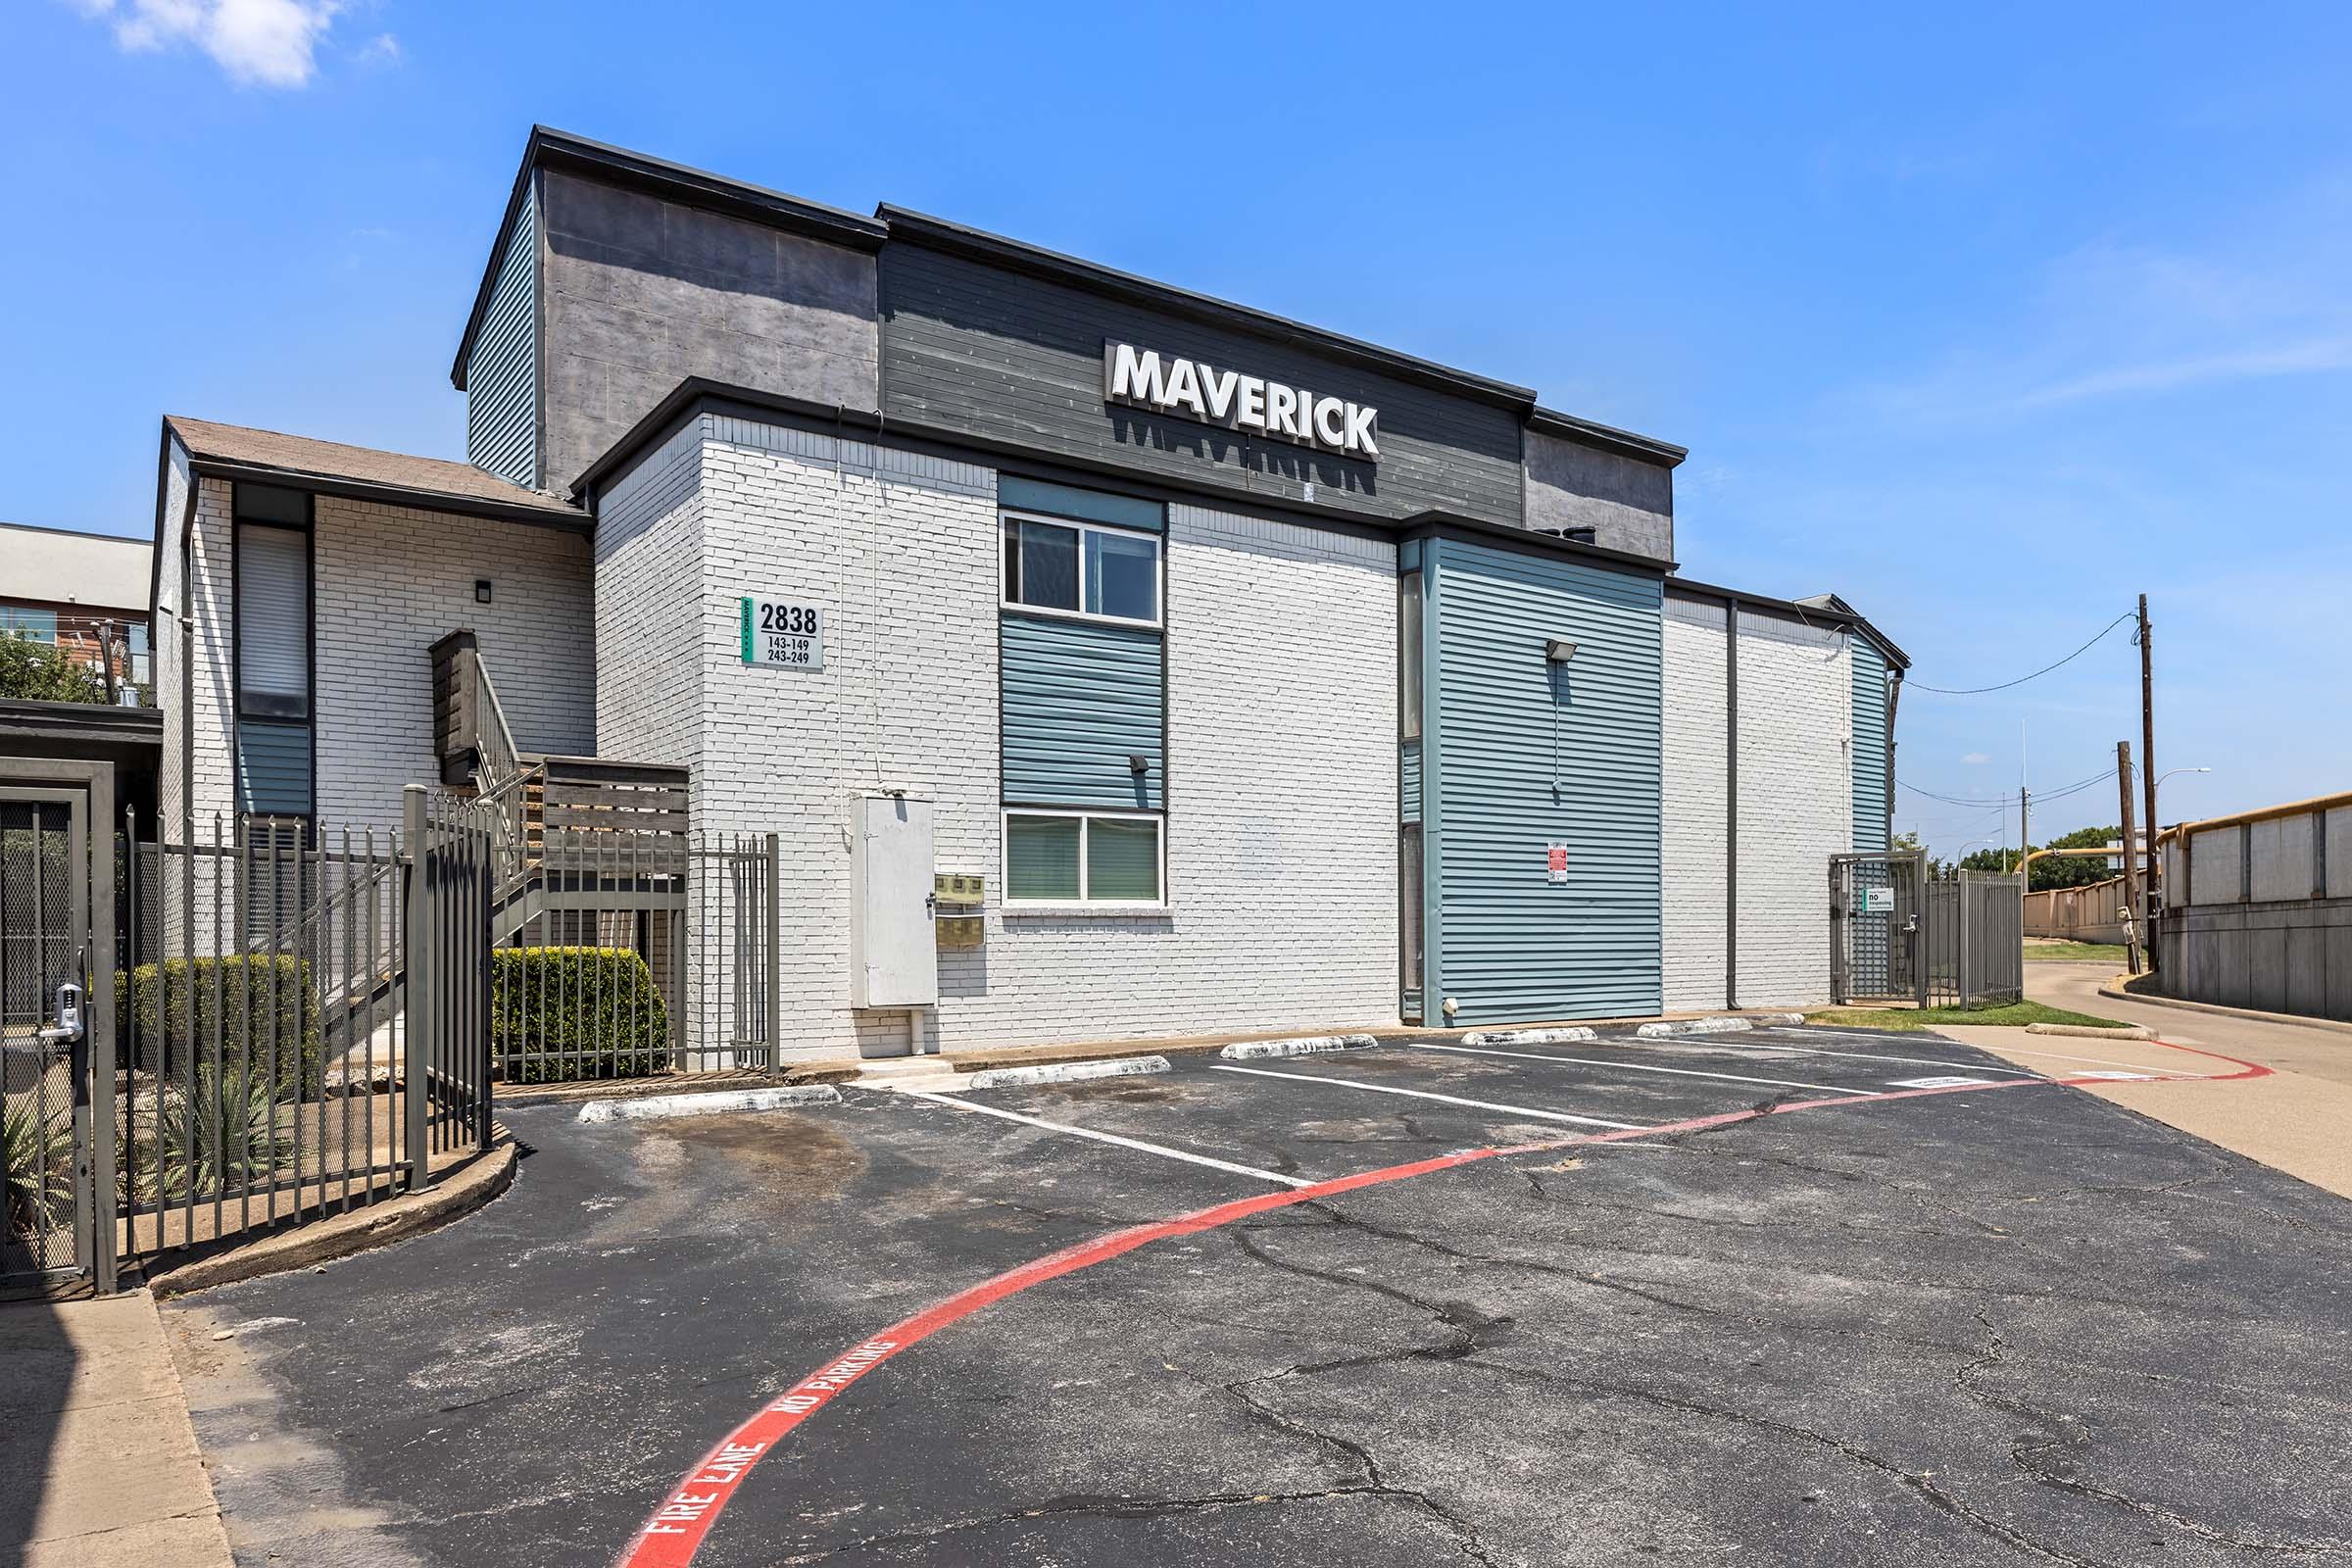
<point x="1558" y="651"/>
<point x="1138" y="763"/>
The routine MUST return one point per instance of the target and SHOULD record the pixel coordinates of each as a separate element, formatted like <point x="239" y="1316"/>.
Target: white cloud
<point x="1974" y="759"/>
<point x="381" y="50"/>
<point x="272" y="43"/>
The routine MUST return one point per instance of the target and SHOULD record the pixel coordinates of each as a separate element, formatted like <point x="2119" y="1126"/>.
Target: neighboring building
<point x="1268" y="677"/>
<point x="83" y="592"/>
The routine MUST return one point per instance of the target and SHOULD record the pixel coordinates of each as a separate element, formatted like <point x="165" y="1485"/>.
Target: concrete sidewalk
<point x="2298" y="1120"/>
<point x="98" y="1463"/>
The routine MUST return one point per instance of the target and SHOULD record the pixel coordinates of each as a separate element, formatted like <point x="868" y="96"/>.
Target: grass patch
<point x="2074" y="951"/>
<point x="2013" y="1015"/>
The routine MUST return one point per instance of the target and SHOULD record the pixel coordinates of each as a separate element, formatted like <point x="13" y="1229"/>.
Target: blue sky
<point x="1987" y="325"/>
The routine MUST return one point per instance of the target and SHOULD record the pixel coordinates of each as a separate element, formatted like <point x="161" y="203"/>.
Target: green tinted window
<point x="1122" y="860"/>
<point x="1041" y="858"/>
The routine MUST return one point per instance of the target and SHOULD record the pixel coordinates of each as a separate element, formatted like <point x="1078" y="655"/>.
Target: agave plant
<point x="37" y="1152"/>
<point x="220" y="1137"/>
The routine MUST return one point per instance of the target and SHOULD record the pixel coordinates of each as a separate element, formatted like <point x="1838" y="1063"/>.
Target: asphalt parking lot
<point x="1991" y="1322"/>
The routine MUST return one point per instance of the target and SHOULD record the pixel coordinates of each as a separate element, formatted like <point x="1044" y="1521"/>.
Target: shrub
<point x="575" y="1013"/>
<point x="42" y="673"/>
<point x="228" y="1136"/>
<point x="37" y="1156"/>
<point x="244" y="984"/>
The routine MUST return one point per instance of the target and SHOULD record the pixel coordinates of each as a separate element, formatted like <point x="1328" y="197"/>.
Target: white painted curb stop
<point x="1695" y="1026"/>
<point x="1305" y="1044"/>
<point x="1570" y="1034"/>
<point x="1763" y="1019"/>
<point x="2129" y="1031"/>
<point x="782" y="1098"/>
<point x="1064" y="1072"/>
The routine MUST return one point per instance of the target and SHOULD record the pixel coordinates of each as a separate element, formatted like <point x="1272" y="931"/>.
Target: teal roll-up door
<point x="1872" y="812"/>
<point x="1079" y="700"/>
<point x="1529" y="755"/>
<point x="273" y="769"/>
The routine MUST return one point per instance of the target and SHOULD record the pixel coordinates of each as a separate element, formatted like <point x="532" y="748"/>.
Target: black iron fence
<point x="1900" y="932"/>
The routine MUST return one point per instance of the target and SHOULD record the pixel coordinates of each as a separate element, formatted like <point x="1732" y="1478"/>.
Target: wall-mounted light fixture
<point x="1138" y="763"/>
<point x="481" y="590"/>
<point x="1557" y="650"/>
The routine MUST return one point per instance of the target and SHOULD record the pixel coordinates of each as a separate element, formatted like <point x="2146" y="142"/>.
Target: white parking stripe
<point x="1423" y="1094"/>
<point x="1135" y="1144"/>
<point x="1867" y="1056"/>
<point x="1630" y="1066"/>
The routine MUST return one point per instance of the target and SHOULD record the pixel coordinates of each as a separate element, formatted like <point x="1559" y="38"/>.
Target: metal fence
<point x="1900" y="933"/>
<point x="261" y="1035"/>
<point x="44" y="1118"/>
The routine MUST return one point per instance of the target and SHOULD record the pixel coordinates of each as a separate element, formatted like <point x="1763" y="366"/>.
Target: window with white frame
<point x="1066" y="858"/>
<point x="1077" y="568"/>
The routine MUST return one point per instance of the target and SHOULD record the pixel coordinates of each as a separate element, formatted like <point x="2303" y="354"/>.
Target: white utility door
<point x="894" y="957"/>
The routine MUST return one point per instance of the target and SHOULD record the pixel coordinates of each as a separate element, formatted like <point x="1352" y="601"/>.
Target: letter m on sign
<point x="1130" y="376"/>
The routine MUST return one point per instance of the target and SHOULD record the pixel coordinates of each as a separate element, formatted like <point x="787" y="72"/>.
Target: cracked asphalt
<point x="2014" y="1326"/>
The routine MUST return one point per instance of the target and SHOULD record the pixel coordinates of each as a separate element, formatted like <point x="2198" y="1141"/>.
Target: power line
<point x="1978" y="691"/>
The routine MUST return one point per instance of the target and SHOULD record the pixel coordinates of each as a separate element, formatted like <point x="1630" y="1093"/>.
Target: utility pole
<point x="2147" y="778"/>
<point x="2135" y="912"/>
<point x="2025" y="837"/>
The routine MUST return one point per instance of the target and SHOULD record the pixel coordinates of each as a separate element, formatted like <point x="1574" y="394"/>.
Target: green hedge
<point x="575" y="1013"/>
<point x="244" y="985"/>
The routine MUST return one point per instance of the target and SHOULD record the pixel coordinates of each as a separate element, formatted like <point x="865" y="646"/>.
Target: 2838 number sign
<point x="780" y="633"/>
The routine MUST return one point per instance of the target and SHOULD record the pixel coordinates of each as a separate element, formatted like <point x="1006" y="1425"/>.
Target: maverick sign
<point x="1192" y="390"/>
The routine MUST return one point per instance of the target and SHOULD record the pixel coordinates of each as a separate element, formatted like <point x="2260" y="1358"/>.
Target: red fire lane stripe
<point x="675" y="1533"/>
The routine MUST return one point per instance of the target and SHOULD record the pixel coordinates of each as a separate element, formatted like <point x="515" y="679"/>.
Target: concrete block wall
<point x="388" y="583"/>
<point x="1281" y="842"/>
<point x="1696" y="846"/>
<point x="2263" y="918"/>
<point x="1796" y="803"/>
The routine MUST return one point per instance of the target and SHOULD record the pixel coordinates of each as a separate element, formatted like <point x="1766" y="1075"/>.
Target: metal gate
<point x="56" y="1067"/>
<point x="1901" y="933"/>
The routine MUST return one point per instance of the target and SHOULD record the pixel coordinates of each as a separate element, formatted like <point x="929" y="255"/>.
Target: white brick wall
<point x="167" y="640"/>
<point x="1695" y="852"/>
<point x="1282" y="751"/>
<point x="212" y="780"/>
<point x="390" y="581"/>
<point x="649" y="592"/>
<point x="1796" y="803"/>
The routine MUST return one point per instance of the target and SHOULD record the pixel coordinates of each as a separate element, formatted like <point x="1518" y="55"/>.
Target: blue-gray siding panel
<point x="1079" y="699"/>
<point x="1408" y="780"/>
<point x="502" y="378"/>
<point x="1872" y="808"/>
<point x="273" y="769"/>
<point x="1067" y="501"/>
<point x="1526" y="758"/>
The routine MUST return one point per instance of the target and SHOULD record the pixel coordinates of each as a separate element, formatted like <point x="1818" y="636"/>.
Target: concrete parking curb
<point x="2125" y="1031"/>
<point x="1566" y="1035"/>
<point x="1695" y="1026"/>
<point x="451" y="1196"/>
<point x="2157" y="998"/>
<point x="1304" y="1046"/>
<point x="1064" y="1072"/>
<point x="656" y="1107"/>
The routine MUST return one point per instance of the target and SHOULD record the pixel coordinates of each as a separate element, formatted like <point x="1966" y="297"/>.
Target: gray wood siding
<point x="502" y="379"/>
<point x="1005" y="357"/>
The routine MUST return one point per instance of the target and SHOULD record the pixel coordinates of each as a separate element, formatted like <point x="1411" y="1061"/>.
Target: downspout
<point x="1731" y="807"/>
<point x="1894" y="701"/>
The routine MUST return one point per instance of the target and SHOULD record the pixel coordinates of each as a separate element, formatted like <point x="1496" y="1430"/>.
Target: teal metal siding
<point x="1522" y="760"/>
<point x="1068" y="501"/>
<point x="1079" y="699"/>
<point x="1408" y="781"/>
<point x="273" y="769"/>
<point x="502" y="378"/>
<point x="1871" y="810"/>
